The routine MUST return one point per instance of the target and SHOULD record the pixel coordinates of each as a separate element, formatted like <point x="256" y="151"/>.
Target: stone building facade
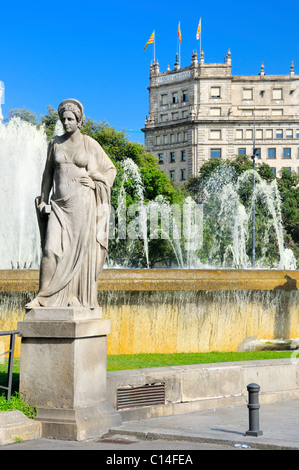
<point x="203" y="111"/>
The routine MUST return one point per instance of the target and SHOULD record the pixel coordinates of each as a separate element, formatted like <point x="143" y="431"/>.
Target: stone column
<point x="63" y="371"/>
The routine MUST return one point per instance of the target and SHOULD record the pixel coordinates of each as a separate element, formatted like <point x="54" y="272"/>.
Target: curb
<point x="257" y="445"/>
<point x="15" y="426"/>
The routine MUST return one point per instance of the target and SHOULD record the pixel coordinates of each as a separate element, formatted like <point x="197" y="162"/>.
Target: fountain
<point x="210" y="300"/>
<point x="131" y="173"/>
<point x="214" y="233"/>
<point x="22" y="157"/>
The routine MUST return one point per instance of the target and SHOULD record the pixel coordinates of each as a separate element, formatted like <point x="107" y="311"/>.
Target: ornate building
<point x="203" y="111"/>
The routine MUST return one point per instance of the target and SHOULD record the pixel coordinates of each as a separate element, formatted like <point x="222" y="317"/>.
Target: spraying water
<point x="215" y="233"/>
<point x="23" y="149"/>
<point x="137" y="228"/>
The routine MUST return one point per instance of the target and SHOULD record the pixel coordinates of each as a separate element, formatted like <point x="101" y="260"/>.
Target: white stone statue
<point x="73" y="212"/>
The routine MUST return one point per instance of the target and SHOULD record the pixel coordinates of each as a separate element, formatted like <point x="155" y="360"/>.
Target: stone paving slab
<point x="278" y="421"/>
<point x="218" y="429"/>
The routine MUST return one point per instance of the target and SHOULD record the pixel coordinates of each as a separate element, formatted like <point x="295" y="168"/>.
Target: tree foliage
<point x="25" y="114"/>
<point x="289" y="189"/>
<point x="49" y="121"/>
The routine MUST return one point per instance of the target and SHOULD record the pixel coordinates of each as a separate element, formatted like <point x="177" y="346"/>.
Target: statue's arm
<point x="47" y="180"/>
<point x="100" y="168"/>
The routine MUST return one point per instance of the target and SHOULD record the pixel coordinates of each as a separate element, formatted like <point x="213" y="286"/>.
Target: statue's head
<point x="73" y="106"/>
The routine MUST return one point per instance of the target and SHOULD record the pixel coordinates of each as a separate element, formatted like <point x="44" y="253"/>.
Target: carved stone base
<point x="63" y="371"/>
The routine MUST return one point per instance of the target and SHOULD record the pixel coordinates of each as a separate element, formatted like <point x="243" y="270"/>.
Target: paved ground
<point x="220" y="429"/>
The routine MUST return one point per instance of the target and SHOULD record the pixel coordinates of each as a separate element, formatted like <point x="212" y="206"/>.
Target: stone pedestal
<point x="63" y="371"/>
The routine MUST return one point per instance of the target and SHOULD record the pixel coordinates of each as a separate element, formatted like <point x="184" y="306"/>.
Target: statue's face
<point x="69" y="122"/>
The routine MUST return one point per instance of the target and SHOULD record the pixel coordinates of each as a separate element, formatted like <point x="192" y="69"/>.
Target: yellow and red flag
<point x="179" y="32"/>
<point x="151" y="40"/>
<point x="198" y="32"/>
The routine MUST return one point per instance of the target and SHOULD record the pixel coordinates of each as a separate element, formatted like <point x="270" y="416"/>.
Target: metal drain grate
<point x="146" y="395"/>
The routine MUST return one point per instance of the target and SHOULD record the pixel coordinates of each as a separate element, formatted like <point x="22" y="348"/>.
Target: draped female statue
<point x="73" y="213"/>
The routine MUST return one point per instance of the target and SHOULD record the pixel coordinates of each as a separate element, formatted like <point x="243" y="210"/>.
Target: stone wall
<point x="208" y="386"/>
<point x="168" y="311"/>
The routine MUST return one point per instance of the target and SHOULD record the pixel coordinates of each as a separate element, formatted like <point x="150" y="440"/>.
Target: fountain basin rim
<point x="167" y="280"/>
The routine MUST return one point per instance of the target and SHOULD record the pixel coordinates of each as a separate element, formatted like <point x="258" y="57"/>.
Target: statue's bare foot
<point x="33" y="304"/>
<point x="74" y="302"/>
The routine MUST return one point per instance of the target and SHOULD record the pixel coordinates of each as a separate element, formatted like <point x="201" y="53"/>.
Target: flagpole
<point x="198" y="36"/>
<point x="200" y="44"/>
<point x="180" y="45"/>
<point x="154" y="46"/>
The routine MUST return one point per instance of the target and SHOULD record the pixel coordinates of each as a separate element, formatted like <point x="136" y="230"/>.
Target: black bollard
<point x="253" y="406"/>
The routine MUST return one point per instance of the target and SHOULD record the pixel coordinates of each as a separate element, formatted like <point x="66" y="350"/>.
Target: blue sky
<point x="93" y="50"/>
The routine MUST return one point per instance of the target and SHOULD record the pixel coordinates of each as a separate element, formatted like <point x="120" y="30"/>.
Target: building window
<point x="163" y="99"/>
<point x="172" y="175"/>
<point x="164" y="117"/>
<point x="239" y="134"/>
<point x="279" y="134"/>
<point x="165" y="139"/>
<point x="215" y="134"/>
<point x="215" y="92"/>
<point x="185" y="113"/>
<point x="215" y="153"/>
<point x="215" y="112"/>
<point x="241" y="152"/>
<point x="185" y="136"/>
<point x="247" y="112"/>
<point x="259" y="133"/>
<point x="175" y="116"/>
<point x="297" y="134"/>
<point x="158" y="140"/>
<point x="183" y="175"/>
<point x="161" y="158"/>
<point x="249" y="134"/>
<point x="175" y="98"/>
<point x="171" y="137"/>
<point x="269" y="134"/>
<point x="247" y="94"/>
<point x="286" y="153"/>
<point x="286" y="168"/>
<point x="272" y="153"/>
<point x="185" y="96"/>
<point x="258" y="153"/>
<point x="273" y="169"/>
<point x="172" y="157"/>
<point x="183" y="155"/>
<point x="289" y="133"/>
<point x="277" y="94"/>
